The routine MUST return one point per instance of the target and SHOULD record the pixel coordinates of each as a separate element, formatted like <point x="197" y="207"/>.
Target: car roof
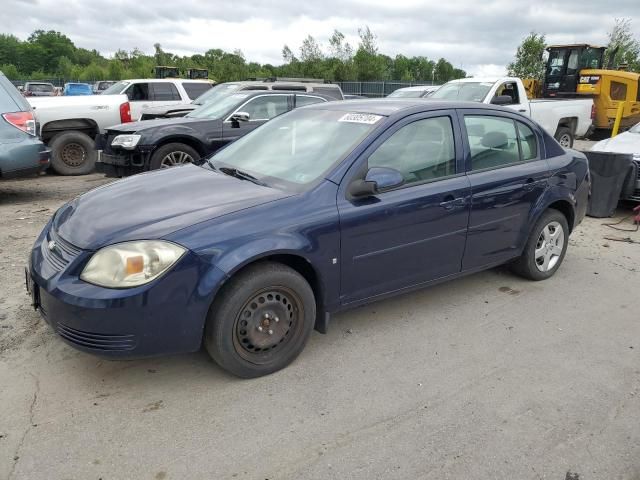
<point x="281" y="83"/>
<point x="418" y="88"/>
<point x="255" y="93"/>
<point x="168" y="80"/>
<point x="389" y="106"/>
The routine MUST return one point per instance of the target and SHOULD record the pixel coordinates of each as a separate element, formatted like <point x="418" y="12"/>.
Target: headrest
<point x="495" y="140"/>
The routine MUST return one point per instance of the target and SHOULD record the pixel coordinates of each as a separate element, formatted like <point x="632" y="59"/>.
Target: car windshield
<point x="297" y="148"/>
<point x="465" y="91"/>
<point x="406" y="94"/>
<point x="116" y="88"/>
<point x="216" y="92"/>
<point x="219" y="108"/>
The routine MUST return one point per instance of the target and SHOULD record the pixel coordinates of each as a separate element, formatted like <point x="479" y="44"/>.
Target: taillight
<point x="22" y="120"/>
<point x="593" y="111"/>
<point x="125" y="113"/>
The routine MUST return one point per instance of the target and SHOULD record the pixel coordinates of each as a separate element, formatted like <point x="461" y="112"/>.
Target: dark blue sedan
<point x="321" y="209"/>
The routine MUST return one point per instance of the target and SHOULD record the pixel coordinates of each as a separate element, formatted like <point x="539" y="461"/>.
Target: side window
<point x="302" y="100"/>
<point x="297" y="88"/>
<point x="422" y="150"/>
<point x="510" y="89"/>
<point x="195" y="89"/>
<point x="493" y="141"/>
<point x="618" y="91"/>
<point x="138" y="92"/>
<point x="528" y="142"/>
<point x="266" y="107"/>
<point x="164" y="91"/>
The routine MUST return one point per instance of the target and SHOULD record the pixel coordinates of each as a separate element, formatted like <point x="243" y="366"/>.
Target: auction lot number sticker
<point x="367" y="118"/>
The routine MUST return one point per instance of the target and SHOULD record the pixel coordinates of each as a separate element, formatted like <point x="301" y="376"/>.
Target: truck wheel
<point x="564" y="136"/>
<point x="261" y="320"/>
<point x="73" y="153"/>
<point x="545" y="248"/>
<point x="172" y="155"/>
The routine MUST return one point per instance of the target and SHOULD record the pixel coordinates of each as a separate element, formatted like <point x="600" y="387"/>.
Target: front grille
<point x="62" y="252"/>
<point x="636" y="193"/>
<point x="97" y="341"/>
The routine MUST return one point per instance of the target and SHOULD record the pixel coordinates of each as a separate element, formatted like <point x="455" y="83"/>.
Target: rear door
<point x="261" y="109"/>
<point x="416" y="232"/>
<point x="508" y="175"/>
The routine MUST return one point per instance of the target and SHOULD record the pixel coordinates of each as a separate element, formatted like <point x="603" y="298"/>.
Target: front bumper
<point x="164" y="317"/>
<point x="120" y="162"/>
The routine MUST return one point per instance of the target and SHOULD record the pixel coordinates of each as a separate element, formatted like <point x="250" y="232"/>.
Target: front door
<point x="416" y="232"/>
<point x="507" y="176"/>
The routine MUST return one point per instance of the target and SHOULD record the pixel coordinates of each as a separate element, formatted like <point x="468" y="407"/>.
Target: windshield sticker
<point x="367" y="118"/>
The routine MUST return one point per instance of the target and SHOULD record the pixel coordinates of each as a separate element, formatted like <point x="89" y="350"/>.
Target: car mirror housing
<point x="238" y="117"/>
<point x="377" y="180"/>
<point x="501" y="100"/>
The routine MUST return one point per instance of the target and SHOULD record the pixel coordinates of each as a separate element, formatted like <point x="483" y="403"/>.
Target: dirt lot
<point x="490" y="376"/>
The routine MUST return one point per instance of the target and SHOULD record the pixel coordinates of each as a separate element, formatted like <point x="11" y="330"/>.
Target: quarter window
<point x="195" y="89"/>
<point x="302" y="100"/>
<point x="266" y="107"/>
<point x="165" y="91"/>
<point x="420" y="151"/>
<point x="528" y="142"/>
<point x="493" y="141"/>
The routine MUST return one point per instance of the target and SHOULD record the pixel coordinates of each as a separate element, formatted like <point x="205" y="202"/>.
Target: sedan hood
<point x="153" y="205"/>
<point x="136" y="127"/>
<point x="626" y="142"/>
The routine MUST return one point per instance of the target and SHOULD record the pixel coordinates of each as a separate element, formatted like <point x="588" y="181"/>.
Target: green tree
<point x="368" y="65"/>
<point x="529" y="62"/>
<point x="10" y="71"/>
<point x="623" y="47"/>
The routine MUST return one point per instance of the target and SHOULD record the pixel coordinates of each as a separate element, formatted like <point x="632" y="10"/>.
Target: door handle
<point x="450" y="202"/>
<point x="530" y="184"/>
<point x="523" y="110"/>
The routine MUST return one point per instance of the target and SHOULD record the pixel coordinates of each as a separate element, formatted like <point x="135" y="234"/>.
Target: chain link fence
<point x="376" y="89"/>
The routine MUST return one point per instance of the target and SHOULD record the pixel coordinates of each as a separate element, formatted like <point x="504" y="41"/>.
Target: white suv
<point x="156" y="92"/>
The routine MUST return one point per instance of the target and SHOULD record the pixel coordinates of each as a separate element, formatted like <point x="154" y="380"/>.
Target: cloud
<point x="478" y="36"/>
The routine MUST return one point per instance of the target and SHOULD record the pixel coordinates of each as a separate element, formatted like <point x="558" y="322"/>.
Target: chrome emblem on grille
<point x="52" y="245"/>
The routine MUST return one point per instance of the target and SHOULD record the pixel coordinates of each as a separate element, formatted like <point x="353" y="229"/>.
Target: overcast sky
<point x="478" y="36"/>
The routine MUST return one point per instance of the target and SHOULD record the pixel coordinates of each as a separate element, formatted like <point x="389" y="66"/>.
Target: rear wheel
<point x="545" y="248"/>
<point x="173" y="155"/>
<point x="564" y="136"/>
<point x="73" y="153"/>
<point x="261" y="320"/>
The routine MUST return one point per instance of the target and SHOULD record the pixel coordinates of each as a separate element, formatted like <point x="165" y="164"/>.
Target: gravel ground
<point x="489" y="376"/>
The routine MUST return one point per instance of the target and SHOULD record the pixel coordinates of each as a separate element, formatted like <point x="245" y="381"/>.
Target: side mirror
<point x="377" y="180"/>
<point x="502" y="100"/>
<point x="238" y="117"/>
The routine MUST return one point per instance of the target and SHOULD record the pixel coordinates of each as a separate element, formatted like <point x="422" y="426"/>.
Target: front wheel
<point x="545" y="248"/>
<point x="261" y="320"/>
<point x="173" y="155"/>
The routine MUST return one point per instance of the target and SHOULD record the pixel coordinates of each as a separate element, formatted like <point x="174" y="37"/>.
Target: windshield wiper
<point x="234" y="172"/>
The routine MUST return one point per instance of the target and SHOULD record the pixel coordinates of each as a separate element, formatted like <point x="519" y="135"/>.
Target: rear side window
<point x="302" y="100"/>
<point x="195" y="89"/>
<point x="421" y="151"/>
<point x="493" y="141"/>
<point x="164" y="91"/>
<point x="528" y="142"/>
<point x="333" y="92"/>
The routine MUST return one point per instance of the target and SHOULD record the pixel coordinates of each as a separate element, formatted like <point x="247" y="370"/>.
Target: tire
<point x="172" y="155"/>
<point x="542" y="234"/>
<point x="261" y="320"/>
<point x="564" y="136"/>
<point x="73" y="153"/>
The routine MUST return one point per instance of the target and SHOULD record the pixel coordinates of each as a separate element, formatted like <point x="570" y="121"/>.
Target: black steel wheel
<point x="261" y="320"/>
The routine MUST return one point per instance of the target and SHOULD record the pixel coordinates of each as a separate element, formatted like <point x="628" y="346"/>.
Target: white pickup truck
<point x="69" y="125"/>
<point x="564" y="119"/>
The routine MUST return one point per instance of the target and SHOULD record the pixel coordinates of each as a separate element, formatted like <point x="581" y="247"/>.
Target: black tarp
<point x="612" y="177"/>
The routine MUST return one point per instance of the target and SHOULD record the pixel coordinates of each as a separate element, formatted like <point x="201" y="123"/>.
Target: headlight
<point x="130" y="264"/>
<point x="126" y="141"/>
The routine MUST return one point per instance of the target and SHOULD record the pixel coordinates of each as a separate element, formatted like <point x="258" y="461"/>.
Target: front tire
<point x="73" y="153"/>
<point x="261" y="320"/>
<point x="546" y="247"/>
<point x="173" y="155"/>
